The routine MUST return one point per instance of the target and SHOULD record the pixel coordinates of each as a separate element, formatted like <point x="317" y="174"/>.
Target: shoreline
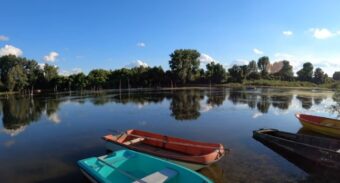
<point x="192" y="86"/>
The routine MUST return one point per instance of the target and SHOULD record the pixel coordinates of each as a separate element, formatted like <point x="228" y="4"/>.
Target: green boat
<point x="130" y="166"/>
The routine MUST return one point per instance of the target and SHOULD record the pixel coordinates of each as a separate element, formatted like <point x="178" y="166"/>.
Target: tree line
<point x="26" y="75"/>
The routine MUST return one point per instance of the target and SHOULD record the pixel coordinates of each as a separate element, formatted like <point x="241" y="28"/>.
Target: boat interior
<point x="164" y="144"/>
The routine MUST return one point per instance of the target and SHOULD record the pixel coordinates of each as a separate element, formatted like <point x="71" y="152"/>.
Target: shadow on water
<point x="317" y="172"/>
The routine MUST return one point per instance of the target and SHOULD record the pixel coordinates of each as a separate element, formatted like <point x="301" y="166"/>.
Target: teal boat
<point x="130" y="166"/>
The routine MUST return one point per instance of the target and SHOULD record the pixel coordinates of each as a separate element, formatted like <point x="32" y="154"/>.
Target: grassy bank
<point x="278" y="83"/>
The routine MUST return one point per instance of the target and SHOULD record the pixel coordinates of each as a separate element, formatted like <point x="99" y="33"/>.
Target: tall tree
<point x="336" y="76"/>
<point x="184" y="64"/>
<point x="319" y="76"/>
<point x="252" y="71"/>
<point x="306" y="73"/>
<point x="79" y="81"/>
<point x="263" y="64"/>
<point x="33" y="72"/>
<point x="98" y="78"/>
<point x="216" y="72"/>
<point x="16" y="78"/>
<point x="286" y="72"/>
<point x="237" y="73"/>
<point x="50" y="72"/>
<point x="252" y="67"/>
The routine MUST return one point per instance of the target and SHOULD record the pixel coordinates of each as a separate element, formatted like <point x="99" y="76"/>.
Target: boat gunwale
<point x="303" y="120"/>
<point x="216" y="151"/>
<point x="98" y="178"/>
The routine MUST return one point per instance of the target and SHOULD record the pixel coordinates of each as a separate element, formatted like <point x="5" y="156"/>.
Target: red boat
<point x="194" y="155"/>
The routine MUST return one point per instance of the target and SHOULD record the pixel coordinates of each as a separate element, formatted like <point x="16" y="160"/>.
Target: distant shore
<point x="247" y="84"/>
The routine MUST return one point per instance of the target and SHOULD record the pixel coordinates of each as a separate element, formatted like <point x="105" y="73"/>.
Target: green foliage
<point x="184" y="64"/>
<point x="23" y="75"/>
<point x="215" y="72"/>
<point x="237" y="73"/>
<point x="263" y="64"/>
<point x="306" y="73"/>
<point x="16" y="78"/>
<point x="50" y="72"/>
<point x="97" y="78"/>
<point x="319" y="76"/>
<point x="336" y="76"/>
<point x="79" y="81"/>
<point x="286" y="72"/>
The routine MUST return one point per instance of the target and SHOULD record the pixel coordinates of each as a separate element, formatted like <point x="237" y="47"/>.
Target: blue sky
<point x="83" y="35"/>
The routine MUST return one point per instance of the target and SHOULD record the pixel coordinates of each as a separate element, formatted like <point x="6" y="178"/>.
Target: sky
<point x="81" y="35"/>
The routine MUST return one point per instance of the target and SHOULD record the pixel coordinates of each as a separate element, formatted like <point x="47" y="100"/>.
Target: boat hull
<point x="130" y="166"/>
<point x="193" y="166"/>
<point x="88" y="176"/>
<point x="192" y="154"/>
<point x="320" y="155"/>
<point x="325" y="126"/>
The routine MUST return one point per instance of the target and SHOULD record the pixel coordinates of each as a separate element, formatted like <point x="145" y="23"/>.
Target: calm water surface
<point x="42" y="138"/>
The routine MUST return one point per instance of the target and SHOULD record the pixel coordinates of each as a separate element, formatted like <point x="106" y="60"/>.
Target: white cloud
<point x="204" y="58"/>
<point x="141" y="44"/>
<point x="14" y="132"/>
<point x="137" y="63"/>
<point x="41" y="65"/>
<point x="257" y="51"/>
<point x="10" y="50"/>
<point x="321" y="33"/>
<point x="70" y="72"/>
<point x="4" y="38"/>
<point x="54" y="117"/>
<point x="51" y="57"/>
<point x="257" y="115"/>
<point x="205" y="107"/>
<point x="287" y="33"/>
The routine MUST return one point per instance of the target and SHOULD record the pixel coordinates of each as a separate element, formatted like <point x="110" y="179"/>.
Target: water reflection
<point x="335" y="108"/>
<point x="185" y="105"/>
<point x="18" y="112"/>
<point x="212" y="114"/>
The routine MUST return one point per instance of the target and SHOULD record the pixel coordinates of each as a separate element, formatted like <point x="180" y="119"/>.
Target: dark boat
<point x="319" y="151"/>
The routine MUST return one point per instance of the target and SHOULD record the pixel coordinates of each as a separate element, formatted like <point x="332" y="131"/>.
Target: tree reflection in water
<point x="20" y="111"/>
<point x="185" y="104"/>
<point x="306" y="101"/>
<point x="335" y="108"/>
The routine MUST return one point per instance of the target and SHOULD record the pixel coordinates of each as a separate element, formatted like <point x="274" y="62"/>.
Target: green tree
<point x="184" y="64"/>
<point x="319" y="76"/>
<point x="16" y="78"/>
<point x="237" y="73"/>
<point x="50" y="72"/>
<point x="97" y="78"/>
<point x="336" y="76"/>
<point x="215" y="72"/>
<point x="286" y="72"/>
<point x="263" y="64"/>
<point x="33" y="71"/>
<point x="79" y="81"/>
<point x="252" y="71"/>
<point x="306" y="73"/>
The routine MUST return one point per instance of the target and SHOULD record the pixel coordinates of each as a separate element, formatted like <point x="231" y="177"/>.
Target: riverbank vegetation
<point x="26" y="75"/>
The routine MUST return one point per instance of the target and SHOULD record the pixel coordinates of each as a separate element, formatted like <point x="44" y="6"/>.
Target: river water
<point x="41" y="138"/>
